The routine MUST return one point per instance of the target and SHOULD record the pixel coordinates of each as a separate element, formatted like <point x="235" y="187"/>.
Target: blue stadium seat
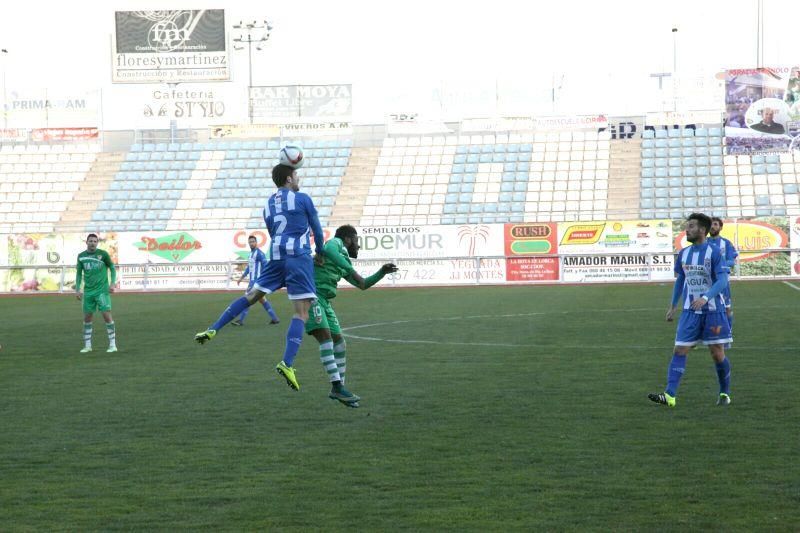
<point x="675" y="172"/>
<point x="648" y="134"/>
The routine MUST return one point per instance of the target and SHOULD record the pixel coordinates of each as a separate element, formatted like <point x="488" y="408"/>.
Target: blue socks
<point x="268" y="308"/>
<point x="724" y="376"/>
<point x="294" y="337"/>
<point x="233" y="310"/>
<point x="674" y="373"/>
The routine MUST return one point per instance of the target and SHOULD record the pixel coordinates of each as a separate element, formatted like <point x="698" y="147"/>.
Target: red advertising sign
<point x="532" y="269"/>
<point x="523" y="243"/>
<point x="63" y="134"/>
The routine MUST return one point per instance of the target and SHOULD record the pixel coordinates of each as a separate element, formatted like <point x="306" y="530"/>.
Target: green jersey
<point x="94" y="267"/>
<point x="337" y="266"/>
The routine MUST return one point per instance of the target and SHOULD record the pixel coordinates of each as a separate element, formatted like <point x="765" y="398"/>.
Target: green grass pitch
<point x="484" y="409"/>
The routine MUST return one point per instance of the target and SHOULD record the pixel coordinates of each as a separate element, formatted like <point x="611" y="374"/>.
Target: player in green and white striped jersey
<point x="322" y="321"/>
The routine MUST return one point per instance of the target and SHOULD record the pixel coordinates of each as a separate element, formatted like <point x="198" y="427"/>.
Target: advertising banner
<point x="64" y="134"/>
<point x="762" y="109"/>
<point x="171" y="46"/>
<point x="751" y="235"/>
<point x="794" y="243"/>
<point x="632" y="243"/>
<point x="671" y="118"/>
<point x="24" y="250"/>
<point x="13" y="135"/>
<point x="245" y="131"/>
<point x="276" y="104"/>
<point x="615" y="236"/>
<point x="622" y="267"/>
<point x="51" y="108"/>
<point x="467" y="271"/>
<point x="422" y="242"/>
<point x="502" y="124"/>
<point x="166" y="257"/>
<point x="570" y="123"/>
<point x="530" y="249"/>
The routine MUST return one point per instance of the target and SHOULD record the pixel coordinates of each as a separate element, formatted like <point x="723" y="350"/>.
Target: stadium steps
<point x="349" y="206"/>
<point x="79" y="211"/>
<point x="624" y="177"/>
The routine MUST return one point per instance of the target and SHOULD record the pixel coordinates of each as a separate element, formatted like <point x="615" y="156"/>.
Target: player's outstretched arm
<point x="356" y="280"/>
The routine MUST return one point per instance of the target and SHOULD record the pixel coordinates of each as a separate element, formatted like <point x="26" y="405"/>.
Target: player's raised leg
<point x="232" y="311"/>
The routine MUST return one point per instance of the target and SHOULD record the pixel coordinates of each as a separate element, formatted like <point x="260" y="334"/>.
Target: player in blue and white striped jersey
<point x="290" y="216"/>
<point x="701" y="278"/>
<point x="729" y="254"/>
<point x="256" y="264"/>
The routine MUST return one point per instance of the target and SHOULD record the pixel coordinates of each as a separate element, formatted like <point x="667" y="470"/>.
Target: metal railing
<point x="418" y="271"/>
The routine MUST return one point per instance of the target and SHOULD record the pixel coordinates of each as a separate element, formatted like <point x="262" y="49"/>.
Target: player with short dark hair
<point x="256" y="264"/>
<point x="701" y="278"/>
<point x="92" y="269"/>
<point x="290" y="217"/>
<point x="323" y="323"/>
<point x="729" y="254"/>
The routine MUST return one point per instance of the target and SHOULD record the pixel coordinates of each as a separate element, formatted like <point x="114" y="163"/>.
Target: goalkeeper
<point x="322" y="322"/>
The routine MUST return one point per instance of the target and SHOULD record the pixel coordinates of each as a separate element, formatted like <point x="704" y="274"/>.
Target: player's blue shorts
<point x="708" y="328"/>
<point x="296" y="273"/>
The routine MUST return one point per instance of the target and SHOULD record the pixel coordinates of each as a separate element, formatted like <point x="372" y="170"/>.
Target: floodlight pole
<point x="251" y="32"/>
<point x="674" y="69"/>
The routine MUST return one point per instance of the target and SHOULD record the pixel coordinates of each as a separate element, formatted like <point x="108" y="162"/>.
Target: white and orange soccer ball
<point x="291" y="156"/>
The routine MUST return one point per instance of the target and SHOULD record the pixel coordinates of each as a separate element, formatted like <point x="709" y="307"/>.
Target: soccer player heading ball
<point x="323" y="323"/>
<point x="290" y="216"/>
<point x="701" y="277"/>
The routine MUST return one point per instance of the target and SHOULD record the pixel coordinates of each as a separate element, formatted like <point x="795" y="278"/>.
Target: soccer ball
<point x="291" y="156"/>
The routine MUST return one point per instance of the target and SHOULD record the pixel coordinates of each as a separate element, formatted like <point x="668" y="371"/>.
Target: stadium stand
<point x="488" y="178"/>
<point x="685" y="170"/>
<point x="212" y="185"/>
<point x="445" y="179"/>
<point x="38" y="181"/>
